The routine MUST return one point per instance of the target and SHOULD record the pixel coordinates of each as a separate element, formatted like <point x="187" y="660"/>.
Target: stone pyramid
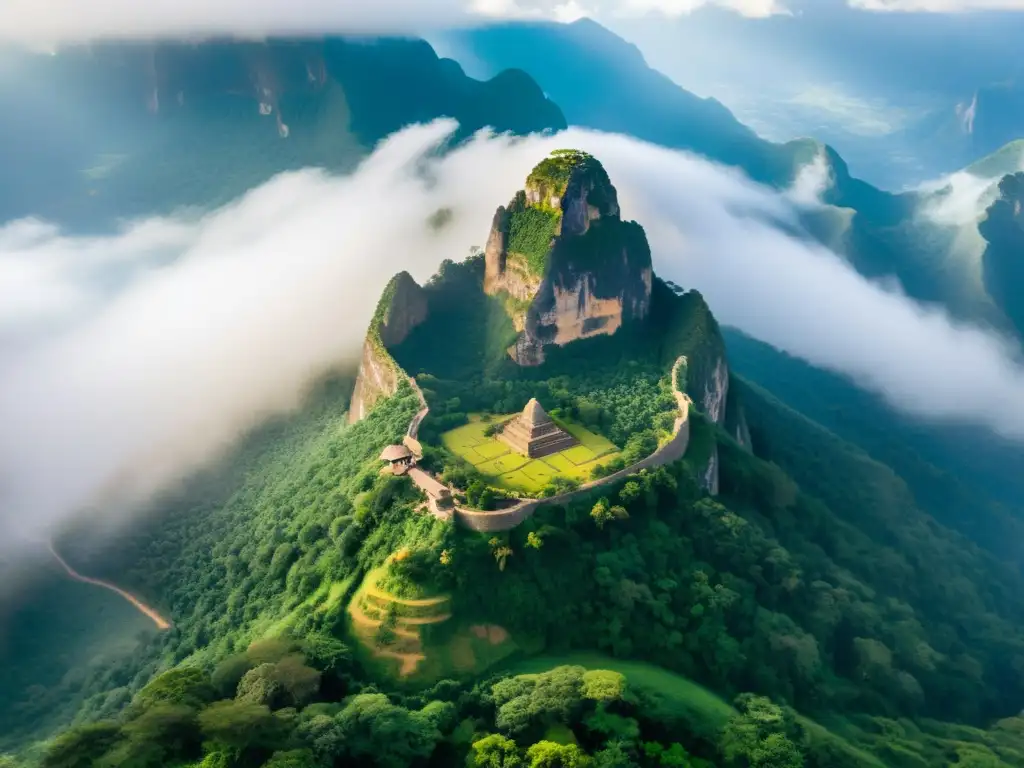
<point x="533" y="433"/>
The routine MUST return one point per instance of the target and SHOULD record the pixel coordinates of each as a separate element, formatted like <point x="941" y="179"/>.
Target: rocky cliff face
<point x="401" y="308"/>
<point x="713" y="401"/>
<point x="566" y="264"/>
<point x="1003" y="261"/>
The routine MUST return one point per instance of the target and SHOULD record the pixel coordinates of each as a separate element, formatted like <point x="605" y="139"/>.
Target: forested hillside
<point x="820" y="604"/>
<point x="814" y="580"/>
<point x="962" y="476"/>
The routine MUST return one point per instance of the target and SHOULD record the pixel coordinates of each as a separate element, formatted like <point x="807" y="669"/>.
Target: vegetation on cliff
<point x="533" y="221"/>
<point x="550" y="177"/>
<point x="531" y="232"/>
<point x="617" y="386"/>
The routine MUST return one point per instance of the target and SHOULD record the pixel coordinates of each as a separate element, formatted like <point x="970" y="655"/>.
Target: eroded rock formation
<point x="565" y="262"/>
<point x="1003" y="261"/>
<point x="402" y="307"/>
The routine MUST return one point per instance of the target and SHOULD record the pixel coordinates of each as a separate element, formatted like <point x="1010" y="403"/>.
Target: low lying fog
<point x="126" y="361"/>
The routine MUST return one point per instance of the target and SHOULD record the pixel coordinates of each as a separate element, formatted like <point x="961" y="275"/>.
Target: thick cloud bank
<point x="127" y="360"/>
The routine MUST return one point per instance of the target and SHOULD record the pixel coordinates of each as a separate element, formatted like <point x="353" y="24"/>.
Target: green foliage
<point x="207" y="551"/>
<point x="531" y="231"/>
<point x="534" y="701"/>
<point x="326" y="653"/>
<point x="639" y="446"/>
<point x="494" y="751"/>
<point x="813" y="600"/>
<point x="259" y="686"/>
<point x="294" y="758"/>
<point x="80" y="746"/>
<point x="548" y="754"/>
<point x="380" y="314"/>
<point x="370" y="726"/>
<point x="229" y="672"/>
<point x="615" y="755"/>
<point x="238" y="724"/>
<point x="185" y="686"/>
<point x="161" y="735"/>
<point x="479" y="495"/>
<point x="552" y="173"/>
<point x="674" y="755"/>
<point x="603" y="685"/>
<point x="757" y="737"/>
<point x="604" y="512"/>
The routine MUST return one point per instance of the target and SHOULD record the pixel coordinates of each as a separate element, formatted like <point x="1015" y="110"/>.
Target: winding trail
<point x="382" y="596"/>
<point x="156" y="618"/>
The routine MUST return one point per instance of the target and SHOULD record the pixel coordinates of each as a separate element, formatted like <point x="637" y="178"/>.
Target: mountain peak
<point x="565" y="263"/>
<point x="574" y="186"/>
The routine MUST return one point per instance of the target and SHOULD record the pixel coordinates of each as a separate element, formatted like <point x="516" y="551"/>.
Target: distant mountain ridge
<point x="602" y="81"/>
<point x="169" y="124"/>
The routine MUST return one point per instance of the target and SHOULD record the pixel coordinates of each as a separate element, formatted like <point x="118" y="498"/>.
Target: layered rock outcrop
<point x="402" y="307"/>
<point x="566" y="264"/>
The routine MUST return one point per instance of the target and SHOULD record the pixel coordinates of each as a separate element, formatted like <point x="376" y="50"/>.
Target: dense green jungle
<point x="851" y="596"/>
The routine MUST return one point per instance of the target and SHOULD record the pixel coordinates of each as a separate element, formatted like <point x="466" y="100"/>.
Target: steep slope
<point x="401" y="308"/>
<point x="565" y="287"/>
<point x="961" y="476"/>
<point x="602" y="82"/>
<point x="169" y="124"/>
<point x="565" y="263"/>
<point x="1003" y="260"/>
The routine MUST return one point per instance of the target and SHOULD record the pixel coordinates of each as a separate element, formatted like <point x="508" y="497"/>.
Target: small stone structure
<point x="532" y="433"/>
<point x="399" y="458"/>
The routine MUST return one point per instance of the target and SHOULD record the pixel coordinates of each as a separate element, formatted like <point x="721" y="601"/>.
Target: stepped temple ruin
<point x="532" y="433"/>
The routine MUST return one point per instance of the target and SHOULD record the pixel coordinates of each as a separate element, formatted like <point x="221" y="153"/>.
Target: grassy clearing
<point x="599" y="445"/>
<point x="510" y="471"/>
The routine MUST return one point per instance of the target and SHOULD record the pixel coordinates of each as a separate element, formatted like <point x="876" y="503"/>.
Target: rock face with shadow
<point x="1003" y="261"/>
<point x="563" y="260"/>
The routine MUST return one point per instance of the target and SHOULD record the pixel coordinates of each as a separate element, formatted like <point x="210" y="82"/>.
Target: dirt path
<point x="379" y="594"/>
<point x="156" y="618"/>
